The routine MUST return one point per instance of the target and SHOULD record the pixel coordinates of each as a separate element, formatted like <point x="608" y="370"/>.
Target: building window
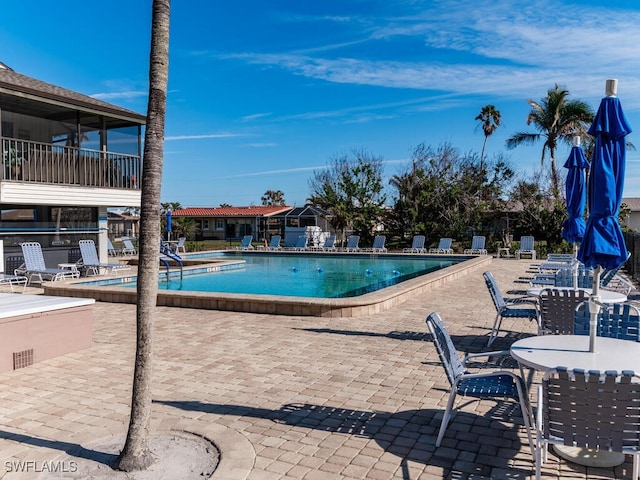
<point x="205" y="224"/>
<point x="220" y="224"/>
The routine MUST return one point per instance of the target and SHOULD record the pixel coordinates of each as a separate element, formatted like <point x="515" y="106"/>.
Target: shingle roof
<point x="11" y="81"/>
<point x="633" y="203"/>
<point x="251" y="211"/>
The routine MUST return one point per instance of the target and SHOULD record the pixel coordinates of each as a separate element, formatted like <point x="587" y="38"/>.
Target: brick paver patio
<point x="289" y="397"/>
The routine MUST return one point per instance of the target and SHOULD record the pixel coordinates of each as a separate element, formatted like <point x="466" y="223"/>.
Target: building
<point x="66" y="158"/>
<point x="633" y="221"/>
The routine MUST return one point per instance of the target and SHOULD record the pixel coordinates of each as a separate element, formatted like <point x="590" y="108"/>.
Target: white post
<point x="611" y="87"/>
<point x="594" y="309"/>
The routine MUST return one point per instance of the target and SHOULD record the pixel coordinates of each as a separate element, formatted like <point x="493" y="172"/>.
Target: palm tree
<point x="273" y="197"/>
<point x="136" y="455"/>
<point x="557" y="119"/>
<point x="490" y="119"/>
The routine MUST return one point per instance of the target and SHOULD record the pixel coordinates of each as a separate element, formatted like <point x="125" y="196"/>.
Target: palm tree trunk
<point x="555" y="181"/>
<point x="135" y="454"/>
<point x="484" y="145"/>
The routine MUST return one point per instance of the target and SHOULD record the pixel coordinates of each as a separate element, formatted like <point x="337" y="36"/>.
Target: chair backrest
<point x="301" y="242"/>
<point x="33" y="256"/>
<point x="590" y="409"/>
<point x="564" y="277"/>
<point x="492" y="286"/>
<point x="378" y="242"/>
<point x="444" y="345"/>
<point x="352" y="241"/>
<point x="609" y="274"/>
<point x="88" y="252"/>
<point x="557" y="309"/>
<point x="418" y="242"/>
<point x="246" y="241"/>
<point x="181" y="241"/>
<point x="128" y="244"/>
<point x="275" y="241"/>
<point x="445" y="244"/>
<point x="329" y="242"/>
<point x="526" y="243"/>
<point x="477" y="243"/>
<point x="110" y="247"/>
<point x="617" y="320"/>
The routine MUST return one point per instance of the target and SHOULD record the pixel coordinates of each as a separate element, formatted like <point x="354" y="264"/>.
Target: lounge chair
<point x="36" y="267"/>
<point x="91" y="262"/>
<point x="378" y="244"/>
<point x="417" y="245"/>
<point x="245" y="244"/>
<point x="526" y="247"/>
<point x="352" y="243"/>
<point x="274" y="243"/>
<point x="127" y="247"/>
<point x="301" y="243"/>
<point x="11" y="280"/>
<point x="443" y="247"/>
<point x="618" y="320"/>
<point x="493" y="384"/>
<point x="329" y="244"/>
<point x="111" y="250"/>
<point x="477" y="246"/>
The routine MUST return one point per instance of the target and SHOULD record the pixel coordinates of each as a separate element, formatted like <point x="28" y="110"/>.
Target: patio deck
<point x="288" y="396"/>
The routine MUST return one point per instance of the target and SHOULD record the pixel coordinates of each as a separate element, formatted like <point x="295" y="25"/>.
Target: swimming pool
<point x="376" y="289"/>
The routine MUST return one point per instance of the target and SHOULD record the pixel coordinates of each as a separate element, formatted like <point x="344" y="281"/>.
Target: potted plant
<point x="13" y="161"/>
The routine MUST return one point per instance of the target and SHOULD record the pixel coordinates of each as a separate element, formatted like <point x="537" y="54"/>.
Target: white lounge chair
<point x="443" y="247"/>
<point x="329" y="244"/>
<point x="35" y="265"/>
<point x="352" y="243"/>
<point x="91" y="262"/>
<point x="417" y="245"/>
<point x="245" y="244"/>
<point x="111" y="249"/>
<point x="127" y="247"/>
<point x="11" y="280"/>
<point x="477" y="246"/>
<point x="526" y="248"/>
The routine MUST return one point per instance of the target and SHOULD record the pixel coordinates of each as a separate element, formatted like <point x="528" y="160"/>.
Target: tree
<point x="273" y="197"/>
<point x="351" y="190"/>
<point x="136" y="455"/>
<point x="490" y="119"/>
<point x="557" y="119"/>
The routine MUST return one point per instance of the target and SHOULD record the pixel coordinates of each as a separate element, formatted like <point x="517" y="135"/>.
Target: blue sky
<point x="262" y="93"/>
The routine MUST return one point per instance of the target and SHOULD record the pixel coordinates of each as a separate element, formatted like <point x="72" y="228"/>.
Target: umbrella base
<point x="589" y="458"/>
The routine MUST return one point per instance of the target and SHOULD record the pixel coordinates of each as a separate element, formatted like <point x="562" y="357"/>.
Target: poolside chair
<point x="560" y="257"/>
<point x="11" y="280"/>
<point x="593" y="410"/>
<point x="417" y="245"/>
<point x="274" y="243"/>
<point x="516" y="307"/>
<point x="91" y="263"/>
<point x="557" y="309"/>
<point x="378" y="244"/>
<point x="35" y="266"/>
<point x="494" y="384"/>
<point x="443" y="247"/>
<point x="329" y="244"/>
<point x="180" y="245"/>
<point x="111" y="250"/>
<point x="352" y="243"/>
<point x="612" y="279"/>
<point x="565" y="278"/>
<point x="526" y="247"/>
<point x="477" y="246"/>
<point x="127" y="247"/>
<point x="615" y="320"/>
<point x="245" y="243"/>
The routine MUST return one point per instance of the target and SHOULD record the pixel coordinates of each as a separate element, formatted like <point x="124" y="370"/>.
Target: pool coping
<point x="367" y="304"/>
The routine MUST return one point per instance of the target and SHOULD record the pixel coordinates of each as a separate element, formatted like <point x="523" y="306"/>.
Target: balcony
<point x="42" y="163"/>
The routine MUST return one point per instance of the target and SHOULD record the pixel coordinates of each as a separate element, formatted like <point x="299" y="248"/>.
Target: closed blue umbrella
<point x="168" y="224"/>
<point x="573" y="227"/>
<point x="603" y="245"/>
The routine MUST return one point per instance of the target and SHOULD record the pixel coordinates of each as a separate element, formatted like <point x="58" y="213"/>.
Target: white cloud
<point x="202" y="137"/>
<point x="124" y="95"/>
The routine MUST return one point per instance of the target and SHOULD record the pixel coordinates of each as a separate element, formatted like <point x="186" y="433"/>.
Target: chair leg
<point x="635" y="468"/>
<point x="446" y="416"/>
<point x="527" y="416"/>
<point x="496" y="328"/>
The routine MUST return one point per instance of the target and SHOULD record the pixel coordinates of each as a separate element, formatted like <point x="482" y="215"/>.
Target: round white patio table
<point x="572" y="351"/>
<point x="606" y="296"/>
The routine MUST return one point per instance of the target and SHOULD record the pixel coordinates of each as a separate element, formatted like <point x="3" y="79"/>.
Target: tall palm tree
<point x="136" y="455"/>
<point x="490" y="119"/>
<point x="557" y="119"/>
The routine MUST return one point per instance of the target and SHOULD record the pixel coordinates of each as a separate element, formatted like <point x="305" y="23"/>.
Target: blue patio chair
<point x="35" y="265"/>
<point x="593" y="410"/>
<point x="494" y="384"/>
<point x="443" y="247"/>
<point x="329" y="244"/>
<point x="127" y="247"/>
<point x="417" y="245"/>
<point x="612" y="279"/>
<point x="274" y="243"/>
<point x="526" y="248"/>
<point x="564" y="278"/>
<point x="111" y="250"/>
<point x="245" y="243"/>
<point x="91" y="263"/>
<point x="352" y="243"/>
<point x="615" y="320"/>
<point x="515" y="307"/>
<point x="301" y="243"/>
<point x="378" y="244"/>
<point x="477" y="246"/>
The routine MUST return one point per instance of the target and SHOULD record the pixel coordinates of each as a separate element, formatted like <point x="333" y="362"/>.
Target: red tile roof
<point x="252" y="211"/>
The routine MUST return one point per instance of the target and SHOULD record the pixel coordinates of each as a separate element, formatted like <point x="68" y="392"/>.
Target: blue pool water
<point x="312" y="275"/>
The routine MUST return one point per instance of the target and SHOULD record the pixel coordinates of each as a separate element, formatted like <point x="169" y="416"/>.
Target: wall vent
<point x="22" y="359"/>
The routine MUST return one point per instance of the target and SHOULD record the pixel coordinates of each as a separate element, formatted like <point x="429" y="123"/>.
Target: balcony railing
<point x="36" y="162"/>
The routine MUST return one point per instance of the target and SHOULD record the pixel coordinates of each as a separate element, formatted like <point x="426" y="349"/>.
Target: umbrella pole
<point x="574" y="266"/>
<point x="594" y="309"/>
